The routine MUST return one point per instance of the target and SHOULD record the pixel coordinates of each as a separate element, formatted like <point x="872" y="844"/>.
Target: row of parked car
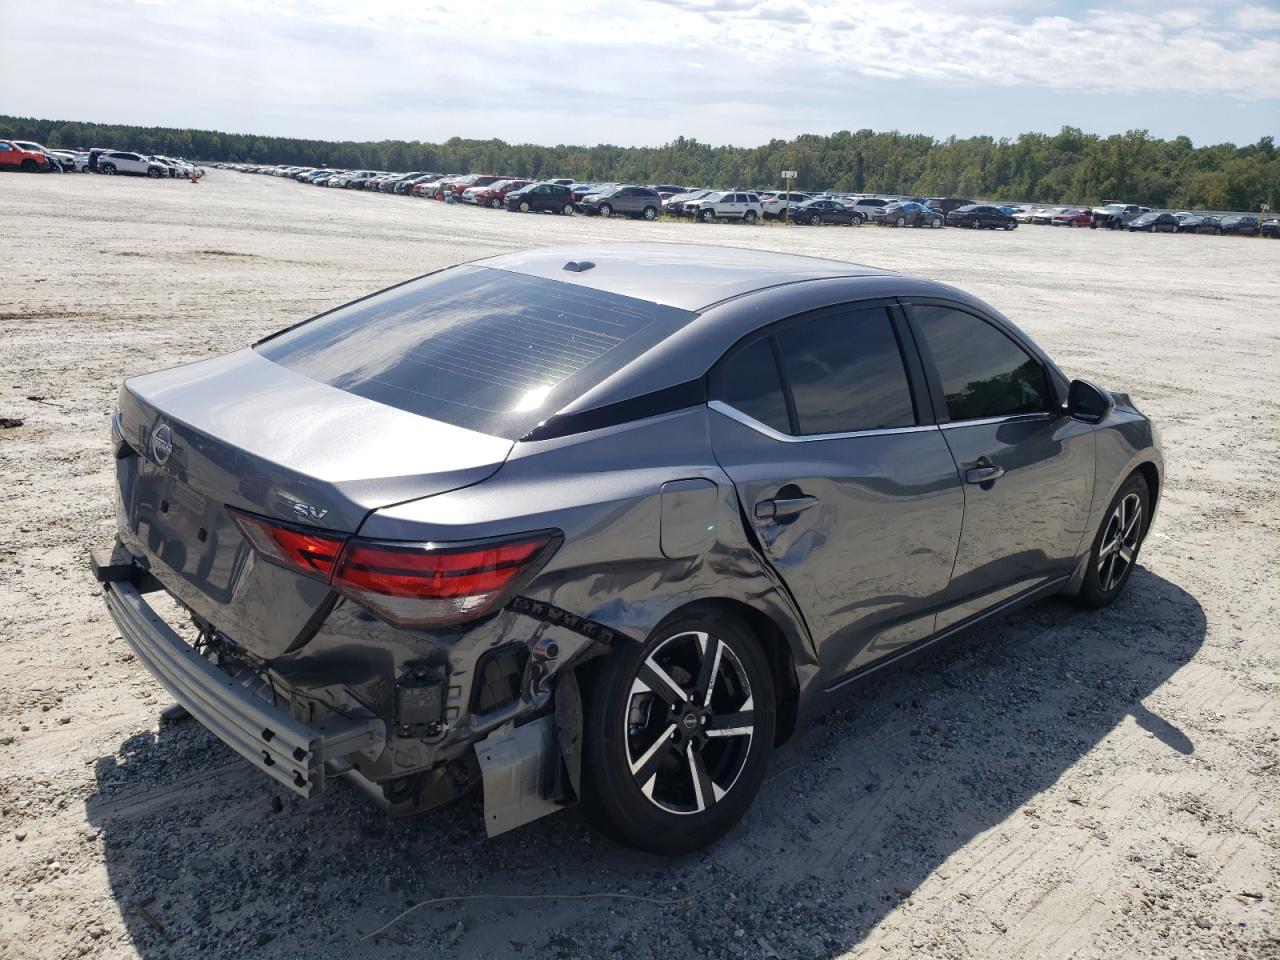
<point x="30" y="157"/>
<point x="567" y="196"/>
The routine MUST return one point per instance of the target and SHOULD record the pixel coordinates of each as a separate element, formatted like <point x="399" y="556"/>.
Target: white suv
<point x="730" y="205"/>
<point x="117" y="161"/>
<point x="774" y="203"/>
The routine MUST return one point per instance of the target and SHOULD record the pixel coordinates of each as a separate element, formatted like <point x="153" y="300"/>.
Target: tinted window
<point x="983" y="372"/>
<point x="748" y="381"/>
<point x="489" y="350"/>
<point x="846" y="373"/>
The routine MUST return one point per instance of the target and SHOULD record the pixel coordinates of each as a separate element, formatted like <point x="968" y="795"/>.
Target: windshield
<point x="485" y="349"/>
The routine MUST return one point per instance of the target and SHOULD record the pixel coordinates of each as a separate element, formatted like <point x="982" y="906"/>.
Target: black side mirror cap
<point x="1088" y="402"/>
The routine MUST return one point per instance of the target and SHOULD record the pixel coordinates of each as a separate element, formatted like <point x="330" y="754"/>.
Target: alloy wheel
<point x="689" y="723"/>
<point x="1120" y="542"/>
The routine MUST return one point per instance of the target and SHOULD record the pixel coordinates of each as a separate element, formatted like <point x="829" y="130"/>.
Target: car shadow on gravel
<point x="206" y="859"/>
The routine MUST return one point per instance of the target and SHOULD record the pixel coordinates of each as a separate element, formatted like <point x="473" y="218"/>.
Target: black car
<point x="1271" y="228"/>
<point x="816" y="212"/>
<point x="944" y="205"/>
<point x="1155" y="223"/>
<point x="907" y="213"/>
<point x="555" y="197"/>
<point x="1242" y="225"/>
<point x="977" y="215"/>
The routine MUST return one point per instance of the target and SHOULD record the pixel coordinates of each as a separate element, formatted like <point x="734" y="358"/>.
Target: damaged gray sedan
<point x="601" y="524"/>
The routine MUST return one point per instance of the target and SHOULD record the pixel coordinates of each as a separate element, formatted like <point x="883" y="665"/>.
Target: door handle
<point x="774" y="509"/>
<point x="984" y="472"/>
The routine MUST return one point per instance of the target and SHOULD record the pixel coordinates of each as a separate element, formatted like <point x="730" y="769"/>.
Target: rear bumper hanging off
<point x="289" y="751"/>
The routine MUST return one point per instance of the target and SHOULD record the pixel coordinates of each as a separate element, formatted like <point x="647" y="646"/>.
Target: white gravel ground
<point x="1060" y="784"/>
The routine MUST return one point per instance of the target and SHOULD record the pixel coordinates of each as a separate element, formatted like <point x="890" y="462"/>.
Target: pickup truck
<point x="1116" y="215"/>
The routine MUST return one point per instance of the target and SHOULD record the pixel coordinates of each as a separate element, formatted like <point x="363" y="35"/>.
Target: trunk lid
<point x="241" y="431"/>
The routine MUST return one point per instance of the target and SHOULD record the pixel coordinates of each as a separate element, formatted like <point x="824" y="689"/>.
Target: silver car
<point x="601" y="523"/>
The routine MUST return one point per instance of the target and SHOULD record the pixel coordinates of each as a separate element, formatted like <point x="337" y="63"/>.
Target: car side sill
<point x="1045" y="589"/>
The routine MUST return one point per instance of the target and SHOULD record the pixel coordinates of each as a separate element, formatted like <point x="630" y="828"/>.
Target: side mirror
<point x="1088" y="402"/>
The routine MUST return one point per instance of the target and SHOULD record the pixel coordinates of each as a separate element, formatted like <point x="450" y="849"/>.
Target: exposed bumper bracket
<point x="289" y="751"/>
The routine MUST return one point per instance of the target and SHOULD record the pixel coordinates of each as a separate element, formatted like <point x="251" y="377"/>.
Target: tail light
<point x="407" y="584"/>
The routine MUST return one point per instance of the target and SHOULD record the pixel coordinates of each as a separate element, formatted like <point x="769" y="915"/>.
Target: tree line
<point x="1070" y="166"/>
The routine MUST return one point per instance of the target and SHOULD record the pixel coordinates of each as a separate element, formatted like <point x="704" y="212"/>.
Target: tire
<point x="707" y="216"/>
<point x="698" y="785"/>
<point x="1217" y="231"/>
<point x="567" y="209"/>
<point x="815" y="221"/>
<point x="495" y="203"/>
<point x="524" y="206"/>
<point x="900" y="222"/>
<point x="605" y="210"/>
<point x="749" y="218"/>
<point x="106" y="168"/>
<point x="153" y="173"/>
<point x="650" y="213"/>
<point x="1115" y="548"/>
<point x="29" y="166"/>
<point x="1011" y="225"/>
<point x="935" y="223"/>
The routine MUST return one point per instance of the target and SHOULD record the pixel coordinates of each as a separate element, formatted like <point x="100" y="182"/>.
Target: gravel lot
<point x="1059" y="784"/>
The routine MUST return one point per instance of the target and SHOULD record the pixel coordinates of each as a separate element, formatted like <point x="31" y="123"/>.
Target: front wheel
<point x="707" y="216"/>
<point x="749" y="217"/>
<point x="815" y="220"/>
<point x="29" y="166"/>
<point x="153" y="173"/>
<point x="935" y="224"/>
<point x="106" y="168"/>
<point x="650" y="213"/>
<point x="567" y="209"/>
<point x="1115" y="548"/>
<point x="1011" y="225"/>
<point x="605" y="210"/>
<point x="901" y="221"/>
<point x="524" y="206"/>
<point x="678" y="734"/>
<point x="495" y="203"/>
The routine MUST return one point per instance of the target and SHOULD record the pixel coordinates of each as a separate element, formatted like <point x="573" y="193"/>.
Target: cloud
<point x="1256" y="19"/>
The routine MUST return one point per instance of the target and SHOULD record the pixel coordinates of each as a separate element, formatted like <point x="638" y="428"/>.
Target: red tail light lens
<point x="407" y="584"/>
<point x="303" y="551"/>
<point x="424" y="584"/>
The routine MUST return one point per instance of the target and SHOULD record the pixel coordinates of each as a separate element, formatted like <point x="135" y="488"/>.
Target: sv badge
<point x="308" y="512"/>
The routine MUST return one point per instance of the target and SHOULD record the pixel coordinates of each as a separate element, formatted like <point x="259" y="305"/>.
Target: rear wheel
<point x="678" y="733"/>
<point x="1115" y="548"/>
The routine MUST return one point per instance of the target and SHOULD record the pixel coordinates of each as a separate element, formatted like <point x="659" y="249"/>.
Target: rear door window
<point x="481" y="348"/>
<point x="984" y="372"/>
<point x="748" y="381"/>
<point x="846" y="372"/>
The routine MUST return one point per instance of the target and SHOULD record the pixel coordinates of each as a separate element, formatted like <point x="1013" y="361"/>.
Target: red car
<point x="13" y="157"/>
<point x="495" y="195"/>
<point x="475" y="180"/>
<point x="1073" y="218"/>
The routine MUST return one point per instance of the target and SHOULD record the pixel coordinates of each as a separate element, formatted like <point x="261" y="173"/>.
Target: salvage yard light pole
<point x="788" y="179"/>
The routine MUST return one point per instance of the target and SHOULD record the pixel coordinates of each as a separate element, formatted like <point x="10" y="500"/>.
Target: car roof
<point x="682" y="275"/>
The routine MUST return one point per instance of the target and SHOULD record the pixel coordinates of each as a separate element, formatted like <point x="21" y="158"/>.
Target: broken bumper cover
<point x="286" y="749"/>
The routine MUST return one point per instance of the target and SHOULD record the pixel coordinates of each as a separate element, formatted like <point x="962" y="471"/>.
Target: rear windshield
<point x="481" y="348"/>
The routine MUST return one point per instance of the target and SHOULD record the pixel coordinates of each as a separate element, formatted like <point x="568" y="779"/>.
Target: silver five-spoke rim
<point x="689" y="722"/>
<point x="1120" y="542"/>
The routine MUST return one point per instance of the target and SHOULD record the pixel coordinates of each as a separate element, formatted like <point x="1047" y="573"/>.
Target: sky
<point x="642" y="72"/>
